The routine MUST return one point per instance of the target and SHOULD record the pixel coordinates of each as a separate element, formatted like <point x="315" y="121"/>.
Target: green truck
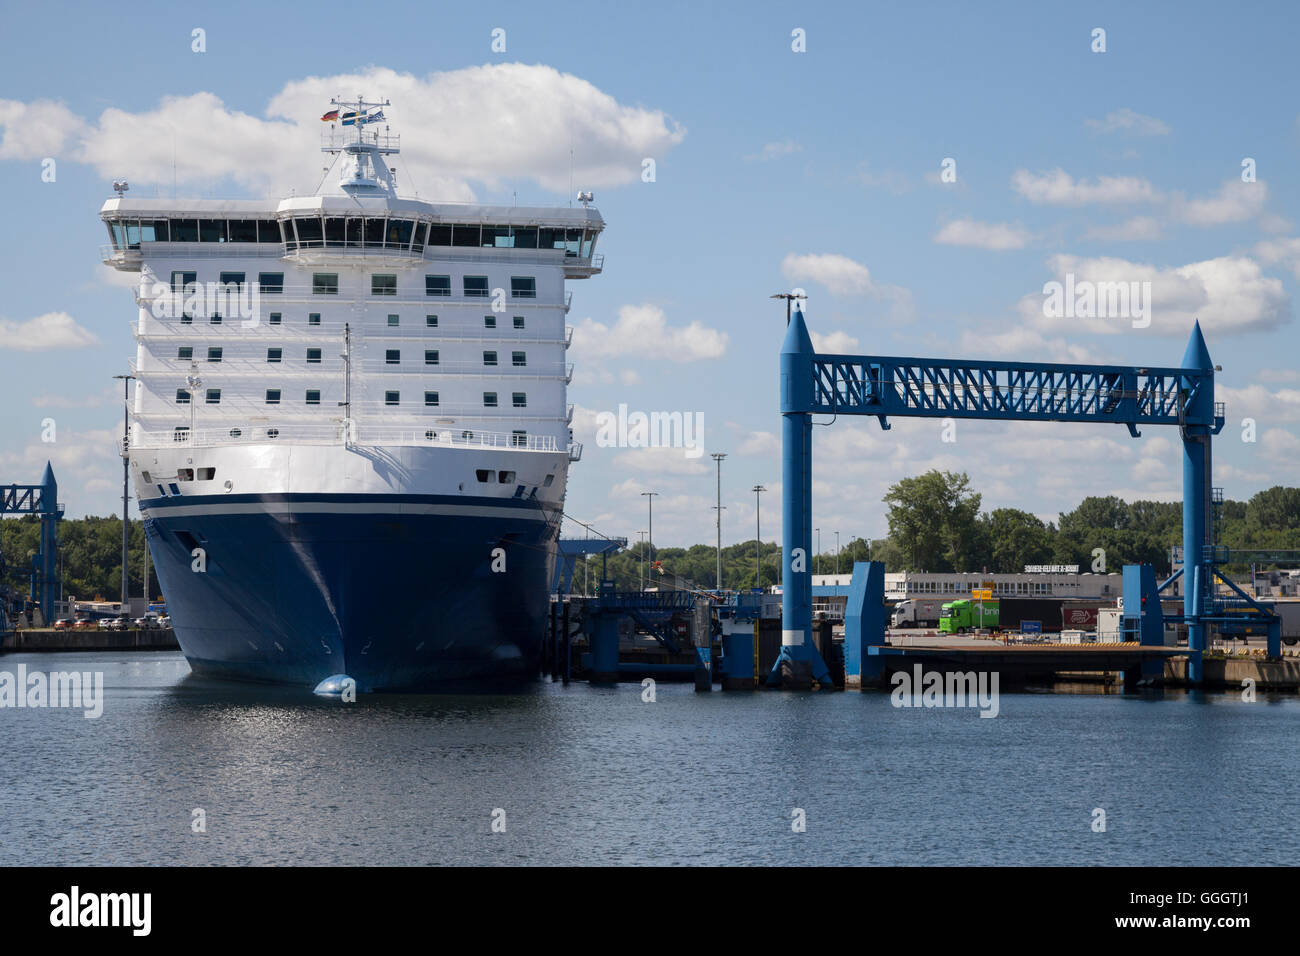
<point x="962" y="615"/>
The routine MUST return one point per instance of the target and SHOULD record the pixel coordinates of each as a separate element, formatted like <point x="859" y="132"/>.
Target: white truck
<point x="1289" y="612"/>
<point x="917" y="612"/>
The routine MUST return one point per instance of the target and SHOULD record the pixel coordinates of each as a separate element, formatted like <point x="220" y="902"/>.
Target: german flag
<point x="330" y="117"/>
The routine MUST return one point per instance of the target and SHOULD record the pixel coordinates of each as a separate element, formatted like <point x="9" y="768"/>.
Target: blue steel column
<point x="798" y="664"/>
<point x="1197" y="580"/>
<point x="49" y="555"/>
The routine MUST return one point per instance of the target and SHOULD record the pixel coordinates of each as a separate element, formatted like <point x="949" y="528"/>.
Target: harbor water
<point x="587" y="775"/>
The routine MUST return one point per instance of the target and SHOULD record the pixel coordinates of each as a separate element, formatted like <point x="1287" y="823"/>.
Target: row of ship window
<point x="185" y="353"/>
<point x="394" y="320"/>
<point x="381" y="284"/>
<point x="352" y="231"/>
<point x="312" y="397"/>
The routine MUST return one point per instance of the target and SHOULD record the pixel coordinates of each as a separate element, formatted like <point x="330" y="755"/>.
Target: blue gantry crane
<point x="43" y="500"/>
<point x="992" y="390"/>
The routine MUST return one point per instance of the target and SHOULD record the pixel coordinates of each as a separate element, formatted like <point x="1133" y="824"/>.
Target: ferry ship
<point x="349" y="436"/>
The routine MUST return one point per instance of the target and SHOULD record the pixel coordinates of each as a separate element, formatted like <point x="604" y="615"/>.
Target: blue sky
<point x="773" y="169"/>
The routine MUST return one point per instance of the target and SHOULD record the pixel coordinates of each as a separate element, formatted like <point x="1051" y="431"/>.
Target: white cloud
<point x="1137" y="229"/>
<point x="1130" y="121"/>
<point x="1230" y="293"/>
<point x="833" y="342"/>
<point x="1285" y="251"/>
<point x="995" y="236"/>
<point x="844" y="276"/>
<point x="760" y="443"/>
<point x="1280" y="445"/>
<point x="785" y="147"/>
<point x="661" y="461"/>
<point x="36" y="130"/>
<point x="1235" y="202"/>
<point x="1023" y="343"/>
<point x="484" y="124"/>
<point x="1260" y="403"/>
<point x="1059" y="188"/>
<point x="643" y="331"/>
<point x="840" y="274"/>
<point x="53" y="330"/>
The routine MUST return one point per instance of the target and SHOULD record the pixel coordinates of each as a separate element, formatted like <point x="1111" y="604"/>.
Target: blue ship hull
<point x="398" y="592"/>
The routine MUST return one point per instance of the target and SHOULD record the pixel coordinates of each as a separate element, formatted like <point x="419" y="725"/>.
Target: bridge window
<point x="465" y="234"/>
<point x="268" y="230"/>
<point x="439" y="235"/>
<point x="310" y="232"/>
<point x="525" y="237"/>
<point x="154" y="230"/>
<point x="399" y="232"/>
<point x="385" y="284"/>
<point x="437" y="285"/>
<point x="523" y="287"/>
<point x="497" y="237"/>
<point x="212" y="230"/>
<point x="243" y="230"/>
<point x="185" y="230"/>
<point x="270" y="282"/>
<point x="335" y="232"/>
<point x="476" y="287"/>
<point x="325" y="283"/>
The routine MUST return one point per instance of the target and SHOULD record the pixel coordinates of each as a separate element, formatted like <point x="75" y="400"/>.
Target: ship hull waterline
<point x="413" y="593"/>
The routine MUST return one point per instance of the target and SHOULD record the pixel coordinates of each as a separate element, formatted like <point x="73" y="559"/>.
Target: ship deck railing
<point x="333" y="434"/>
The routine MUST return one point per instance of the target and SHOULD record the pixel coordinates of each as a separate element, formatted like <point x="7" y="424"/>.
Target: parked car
<point x="165" y="620"/>
<point x="109" y="624"/>
<point x="82" y="624"/>
<point x="62" y="624"/>
<point x="146" y="622"/>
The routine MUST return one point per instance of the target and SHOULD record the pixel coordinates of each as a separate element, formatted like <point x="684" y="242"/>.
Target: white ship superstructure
<point x="350" y="353"/>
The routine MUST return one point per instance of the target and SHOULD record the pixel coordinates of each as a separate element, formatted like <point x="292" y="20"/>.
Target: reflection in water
<point x="596" y="775"/>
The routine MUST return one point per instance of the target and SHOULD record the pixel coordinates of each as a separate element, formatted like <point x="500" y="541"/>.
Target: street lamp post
<point x="758" y="535"/>
<point x="718" y="456"/>
<point x="649" y="496"/>
<point x="837" y="552"/>
<point x="126" y="481"/>
<point x="819" y="549"/>
<point x="642" y="534"/>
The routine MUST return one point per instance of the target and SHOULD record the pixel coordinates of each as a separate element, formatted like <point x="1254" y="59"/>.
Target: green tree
<point x="933" y="518"/>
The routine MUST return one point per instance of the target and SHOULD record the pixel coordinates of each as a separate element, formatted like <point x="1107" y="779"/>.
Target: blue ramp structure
<point x="883" y="386"/>
<point x="864" y="625"/>
<point x="43" y="500"/>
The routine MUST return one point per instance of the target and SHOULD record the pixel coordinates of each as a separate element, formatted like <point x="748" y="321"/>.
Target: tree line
<point x="935" y="524"/>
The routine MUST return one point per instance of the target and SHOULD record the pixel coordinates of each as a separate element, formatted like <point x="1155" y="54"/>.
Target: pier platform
<point x="48" y="639"/>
